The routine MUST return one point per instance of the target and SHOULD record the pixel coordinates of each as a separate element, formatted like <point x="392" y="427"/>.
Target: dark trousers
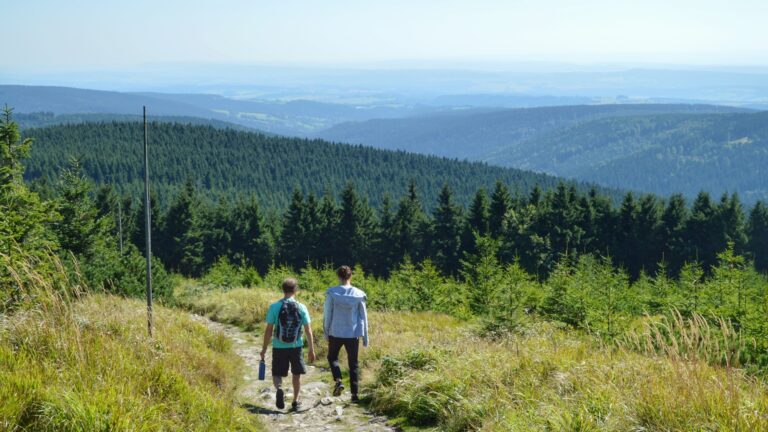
<point x="352" y="346"/>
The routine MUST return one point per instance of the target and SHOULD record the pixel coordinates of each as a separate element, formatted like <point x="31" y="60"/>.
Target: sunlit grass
<point x="431" y="370"/>
<point x="77" y="362"/>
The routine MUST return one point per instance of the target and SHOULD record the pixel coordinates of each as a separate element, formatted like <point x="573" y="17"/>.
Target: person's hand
<point x="262" y="354"/>
<point x="311" y="356"/>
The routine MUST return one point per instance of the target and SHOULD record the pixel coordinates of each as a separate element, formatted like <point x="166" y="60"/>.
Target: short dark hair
<point x="290" y="285"/>
<point x="344" y="272"/>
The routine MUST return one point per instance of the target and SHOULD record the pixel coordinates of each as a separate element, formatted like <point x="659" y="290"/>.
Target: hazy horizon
<point x="92" y="35"/>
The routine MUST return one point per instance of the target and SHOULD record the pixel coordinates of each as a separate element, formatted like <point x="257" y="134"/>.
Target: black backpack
<point x="289" y="322"/>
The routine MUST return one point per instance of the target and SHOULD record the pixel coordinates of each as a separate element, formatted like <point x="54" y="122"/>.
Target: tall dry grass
<point x="74" y="361"/>
<point x="430" y="370"/>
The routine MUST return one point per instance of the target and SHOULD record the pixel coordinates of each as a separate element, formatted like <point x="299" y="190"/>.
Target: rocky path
<point x="321" y="411"/>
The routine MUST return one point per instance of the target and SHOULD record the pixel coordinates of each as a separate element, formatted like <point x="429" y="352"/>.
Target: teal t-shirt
<point x="272" y="317"/>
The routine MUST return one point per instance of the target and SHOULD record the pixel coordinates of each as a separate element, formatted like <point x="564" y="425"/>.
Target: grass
<point x="430" y="370"/>
<point x="76" y="362"/>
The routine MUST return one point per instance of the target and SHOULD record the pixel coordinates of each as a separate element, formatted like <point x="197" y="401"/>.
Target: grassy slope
<point x="432" y="370"/>
<point x="87" y="364"/>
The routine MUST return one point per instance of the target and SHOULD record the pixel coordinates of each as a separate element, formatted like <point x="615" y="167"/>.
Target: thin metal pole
<point x="148" y="225"/>
<point x="120" y="223"/>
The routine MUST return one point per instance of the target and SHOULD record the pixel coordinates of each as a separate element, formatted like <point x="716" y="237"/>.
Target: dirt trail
<point x="320" y="412"/>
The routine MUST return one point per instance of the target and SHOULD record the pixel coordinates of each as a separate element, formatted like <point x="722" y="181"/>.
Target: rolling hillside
<point x="655" y="148"/>
<point x="230" y="162"/>
<point x="661" y="153"/>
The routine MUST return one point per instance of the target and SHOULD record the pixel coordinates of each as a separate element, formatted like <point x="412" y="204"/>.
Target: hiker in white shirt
<point x="345" y="321"/>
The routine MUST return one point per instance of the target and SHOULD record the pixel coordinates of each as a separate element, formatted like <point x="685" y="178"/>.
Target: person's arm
<point x="267" y="339"/>
<point x="327" y="315"/>
<point x="364" y="314"/>
<point x="310" y="343"/>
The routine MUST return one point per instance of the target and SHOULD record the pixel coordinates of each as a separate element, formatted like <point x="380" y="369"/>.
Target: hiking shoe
<point x="280" y="399"/>
<point x="338" y="389"/>
<point x="355" y="399"/>
<point x="296" y="406"/>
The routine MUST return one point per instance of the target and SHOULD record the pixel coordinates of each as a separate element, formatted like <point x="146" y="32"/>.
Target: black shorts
<point x="283" y="357"/>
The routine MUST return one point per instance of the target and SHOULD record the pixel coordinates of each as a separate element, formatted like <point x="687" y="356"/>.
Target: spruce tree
<point x="328" y="237"/>
<point x="501" y="203"/>
<point x="627" y="252"/>
<point x="409" y="226"/>
<point x="673" y="245"/>
<point x="701" y="231"/>
<point x="477" y="222"/>
<point x="479" y="213"/>
<point x="446" y="239"/>
<point x="178" y="222"/>
<point x="732" y="227"/>
<point x="758" y="235"/>
<point x="356" y="228"/>
<point x="384" y="248"/>
<point x="313" y="224"/>
<point x="251" y="241"/>
<point x="648" y="231"/>
<point x="79" y="226"/>
<point x="292" y="245"/>
<point x="138" y="223"/>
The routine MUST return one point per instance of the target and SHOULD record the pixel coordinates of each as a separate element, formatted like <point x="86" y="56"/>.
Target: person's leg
<point x="280" y="365"/>
<point x="334" y="347"/>
<point x="297" y="369"/>
<point x="296" y="386"/>
<point x="352" y="346"/>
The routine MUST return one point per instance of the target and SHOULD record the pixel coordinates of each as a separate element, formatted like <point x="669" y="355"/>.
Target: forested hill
<point x="662" y="149"/>
<point x="43" y="119"/>
<point x="477" y="134"/>
<point x="683" y="153"/>
<point x="235" y="162"/>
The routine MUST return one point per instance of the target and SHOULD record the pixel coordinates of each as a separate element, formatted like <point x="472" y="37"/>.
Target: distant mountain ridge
<point x="296" y="118"/>
<point x="43" y="119"/>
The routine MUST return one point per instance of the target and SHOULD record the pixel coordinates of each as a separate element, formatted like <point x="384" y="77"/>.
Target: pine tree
<point x="605" y="224"/>
<point x="409" y="225"/>
<point x="627" y="240"/>
<point x="23" y="216"/>
<point x="446" y="241"/>
<point x="79" y="226"/>
<point x="648" y="234"/>
<point x="138" y="236"/>
<point x="673" y="222"/>
<point x="313" y="225"/>
<point x="328" y="238"/>
<point x="701" y="231"/>
<point x="384" y="247"/>
<point x="251" y="242"/>
<point x="732" y="228"/>
<point x="479" y="213"/>
<point x="356" y="228"/>
<point x="292" y="245"/>
<point x="179" y="221"/>
<point x="758" y="235"/>
<point x="501" y="203"/>
<point x="477" y="222"/>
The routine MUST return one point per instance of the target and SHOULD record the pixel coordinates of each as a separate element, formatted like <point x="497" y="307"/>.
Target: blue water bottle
<point x="262" y="370"/>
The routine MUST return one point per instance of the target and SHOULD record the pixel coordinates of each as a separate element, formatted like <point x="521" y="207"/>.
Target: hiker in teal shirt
<point x="288" y="317"/>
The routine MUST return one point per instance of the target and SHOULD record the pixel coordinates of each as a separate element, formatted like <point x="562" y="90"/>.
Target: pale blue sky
<point x="50" y="35"/>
